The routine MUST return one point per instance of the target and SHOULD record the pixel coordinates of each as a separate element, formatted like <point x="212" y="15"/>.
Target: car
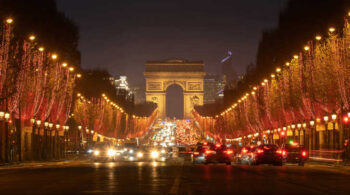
<point x="103" y="151"/>
<point x="218" y="153"/>
<point x="267" y="154"/>
<point x="294" y="153"/>
<point x="245" y="156"/>
<point x="198" y="155"/>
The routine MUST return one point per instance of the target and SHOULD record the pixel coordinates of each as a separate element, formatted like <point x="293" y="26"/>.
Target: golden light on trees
<point x="41" y="49"/>
<point x="64" y="64"/>
<point x="295" y="56"/>
<point x="278" y="69"/>
<point x="287" y="63"/>
<point x="9" y="20"/>
<point x="306" y="48"/>
<point x="331" y="29"/>
<point x="318" y="38"/>
<point x="273" y="75"/>
<point x="71" y="69"/>
<point x="78" y="75"/>
<point x="54" y="56"/>
<point x="32" y="37"/>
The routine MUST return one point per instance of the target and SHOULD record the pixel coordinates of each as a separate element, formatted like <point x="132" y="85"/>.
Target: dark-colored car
<point x="218" y="154"/>
<point x="295" y="153"/>
<point x="245" y="156"/>
<point x="267" y="154"/>
<point x="198" y="155"/>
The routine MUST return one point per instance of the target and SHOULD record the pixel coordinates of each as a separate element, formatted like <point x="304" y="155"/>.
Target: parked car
<point x="267" y="154"/>
<point x="294" y="153"/>
<point x="218" y="153"/>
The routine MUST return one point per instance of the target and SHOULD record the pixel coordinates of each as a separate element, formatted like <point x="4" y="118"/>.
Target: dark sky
<point x="120" y="35"/>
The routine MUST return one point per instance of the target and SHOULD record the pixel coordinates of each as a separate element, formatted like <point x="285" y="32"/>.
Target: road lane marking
<point x="175" y="187"/>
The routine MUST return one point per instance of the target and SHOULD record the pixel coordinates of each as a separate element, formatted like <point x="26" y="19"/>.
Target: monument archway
<point x="174" y="102"/>
<point x="189" y="75"/>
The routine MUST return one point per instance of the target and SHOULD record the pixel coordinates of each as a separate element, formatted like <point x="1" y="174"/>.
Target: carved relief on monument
<point x="195" y="100"/>
<point x="155" y="100"/>
<point x="154" y="86"/>
<point x="181" y="83"/>
<point x="194" y="86"/>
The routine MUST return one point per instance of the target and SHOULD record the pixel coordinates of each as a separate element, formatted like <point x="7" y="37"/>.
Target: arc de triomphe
<point x="189" y="75"/>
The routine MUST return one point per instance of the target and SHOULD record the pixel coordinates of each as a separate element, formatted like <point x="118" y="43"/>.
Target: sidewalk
<point x="40" y="163"/>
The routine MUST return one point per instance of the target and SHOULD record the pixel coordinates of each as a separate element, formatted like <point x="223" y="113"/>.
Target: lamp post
<point x="299" y="127"/>
<point x="325" y="118"/>
<point x="87" y="137"/>
<point x="80" y="134"/>
<point x="304" y="133"/>
<point x="312" y="123"/>
<point x="56" y="144"/>
<point x="33" y="138"/>
<point x="46" y="125"/>
<point x="293" y="130"/>
<point x="39" y="141"/>
<point x="50" y="139"/>
<point x="334" y="118"/>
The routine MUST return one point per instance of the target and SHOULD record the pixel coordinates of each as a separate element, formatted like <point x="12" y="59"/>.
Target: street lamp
<point x="325" y="118"/>
<point x="312" y="123"/>
<point x="2" y="115"/>
<point x="334" y="118"/>
<point x="304" y="133"/>
<point x="38" y="123"/>
<point x="50" y="125"/>
<point x="7" y="116"/>
<point x="57" y="126"/>
<point x="299" y="127"/>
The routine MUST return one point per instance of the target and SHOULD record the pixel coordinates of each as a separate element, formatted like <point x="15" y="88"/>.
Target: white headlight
<point x="139" y="154"/>
<point x="154" y="154"/>
<point x="111" y="152"/>
<point x="96" y="152"/>
<point x="162" y="151"/>
<point x="90" y="151"/>
<point x="131" y="151"/>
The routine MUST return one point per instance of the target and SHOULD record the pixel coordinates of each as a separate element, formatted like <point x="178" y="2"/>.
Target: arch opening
<point x="175" y="101"/>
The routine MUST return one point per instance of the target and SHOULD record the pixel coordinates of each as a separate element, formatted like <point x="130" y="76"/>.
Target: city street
<point x="85" y="177"/>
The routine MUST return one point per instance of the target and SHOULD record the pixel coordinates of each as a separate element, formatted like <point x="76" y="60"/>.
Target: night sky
<point x="120" y="35"/>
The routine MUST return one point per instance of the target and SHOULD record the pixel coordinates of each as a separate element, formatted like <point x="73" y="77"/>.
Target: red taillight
<point x="281" y="152"/>
<point x="284" y="152"/>
<point x="244" y="150"/>
<point x="228" y="151"/>
<point x="303" y="153"/>
<point x="196" y="153"/>
<point x="260" y="151"/>
<point x="218" y="145"/>
<point x="207" y="152"/>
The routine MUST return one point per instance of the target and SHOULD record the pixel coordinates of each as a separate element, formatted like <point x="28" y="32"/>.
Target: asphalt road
<point x="84" y="177"/>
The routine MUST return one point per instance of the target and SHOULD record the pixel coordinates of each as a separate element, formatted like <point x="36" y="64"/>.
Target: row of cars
<point x="103" y="151"/>
<point x="211" y="153"/>
<point x="252" y="155"/>
<point x="272" y="154"/>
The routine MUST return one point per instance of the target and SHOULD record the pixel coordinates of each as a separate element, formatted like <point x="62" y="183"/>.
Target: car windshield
<point x="101" y="145"/>
<point x="294" y="148"/>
